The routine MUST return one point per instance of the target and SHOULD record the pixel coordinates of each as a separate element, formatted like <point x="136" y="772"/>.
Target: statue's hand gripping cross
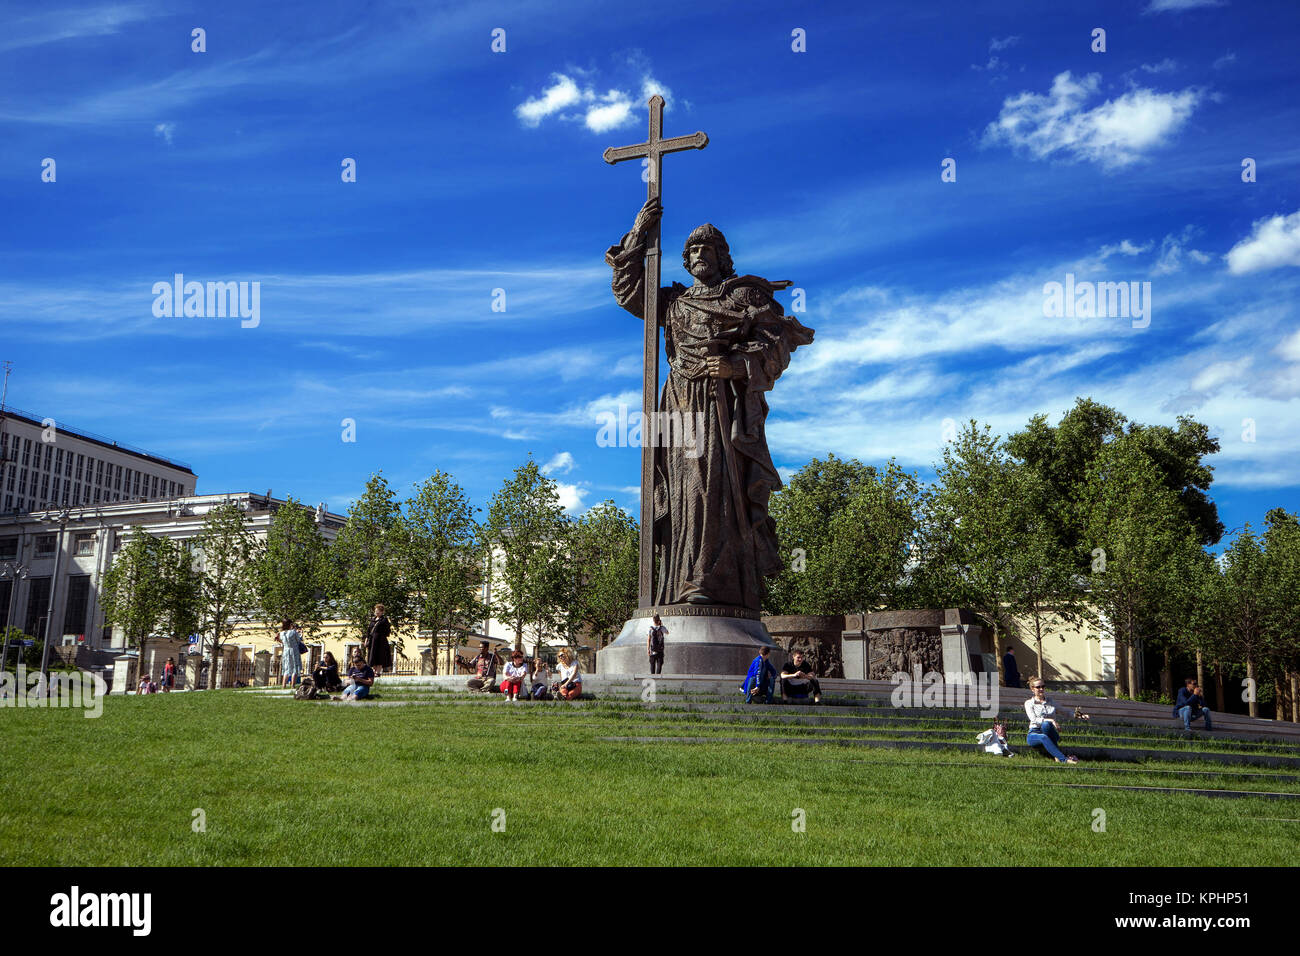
<point x="653" y="150"/>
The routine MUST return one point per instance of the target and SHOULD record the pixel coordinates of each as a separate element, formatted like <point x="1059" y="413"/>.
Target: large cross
<point x="653" y="151"/>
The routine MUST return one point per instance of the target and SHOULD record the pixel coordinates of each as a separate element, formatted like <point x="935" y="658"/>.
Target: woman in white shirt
<point x="570" y="685"/>
<point x="1044" y="718"/>
<point x="516" y="677"/>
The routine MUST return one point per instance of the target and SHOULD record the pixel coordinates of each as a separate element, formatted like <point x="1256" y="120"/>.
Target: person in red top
<point x="169" y="676"/>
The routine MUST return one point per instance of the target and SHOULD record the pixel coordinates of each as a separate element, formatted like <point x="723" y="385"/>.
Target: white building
<point x="68" y="551"/>
<point x="45" y="465"/>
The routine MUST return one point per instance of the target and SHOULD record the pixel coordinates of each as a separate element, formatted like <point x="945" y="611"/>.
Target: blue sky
<point x="479" y="170"/>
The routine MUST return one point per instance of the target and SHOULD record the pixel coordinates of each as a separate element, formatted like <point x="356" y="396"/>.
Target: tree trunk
<point x="1133" y="653"/>
<point x="1279" y="700"/>
<point x="1166" y="677"/>
<point x="1295" y="697"/>
<point x="1200" y="669"/>
<point x="1250" y="676"/>
<point x="1121" y="670"/>
<point x="1218" y="687"/>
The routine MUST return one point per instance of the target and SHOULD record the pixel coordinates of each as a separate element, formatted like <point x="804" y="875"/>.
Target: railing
<point x="82" y="433"/>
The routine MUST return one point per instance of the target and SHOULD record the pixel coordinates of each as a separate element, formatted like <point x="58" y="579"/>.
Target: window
<point x="46" y="544"/>
<point x="45" y="485"/>
<point x="99" y="472"/>
<point x="153" y="487"/>
<point x="38" y="599"/>
<point x="67" y="467"/>
<point x="55" y="496"/>
<point x="76" y="493"/>
<point x="9" y="548"/>
<point x="84" y="543"/>
<point x="117" y="479"/>
<point x="49" y="453"/>
<point x="135" y="485"/>
<point x="98" y="492"/>
<point x="58" y="461"/>
<point x="74" y="614"/>
<point x="27" y="451"/>
<point x="80" y="459"/>
<point x="22" y="482"/>
<point x="67" y="485"/>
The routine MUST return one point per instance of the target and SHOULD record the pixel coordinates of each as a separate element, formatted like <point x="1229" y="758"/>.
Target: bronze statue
<point x="728" y="340"/>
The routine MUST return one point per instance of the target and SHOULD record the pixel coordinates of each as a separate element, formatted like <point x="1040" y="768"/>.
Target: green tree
<point x="133" y="591"/>
<point x="368" y="556"/>
<point x="293" y="569"/>
<point x="227" y="577"/>
<point x="443" y="561"/>
<point x="604" y="555"/>
<point x="846" y="531"/>
<point x="1134" y="528"/>
<point x="1282" y="549"/>
<point x="526" y="531"/>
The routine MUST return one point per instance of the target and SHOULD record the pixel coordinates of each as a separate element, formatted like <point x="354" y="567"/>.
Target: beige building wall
<point x="1076" y="653"/>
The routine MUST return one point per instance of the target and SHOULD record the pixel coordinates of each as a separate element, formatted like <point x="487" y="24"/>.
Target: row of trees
<point x="1095" y="521"/>
<point x="426" y="559"/>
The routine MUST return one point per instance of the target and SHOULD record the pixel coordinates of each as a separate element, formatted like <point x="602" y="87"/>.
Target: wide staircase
<point x="1242" y="756"/>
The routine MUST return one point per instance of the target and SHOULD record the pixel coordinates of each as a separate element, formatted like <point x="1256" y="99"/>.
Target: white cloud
<point x="561" y="464"/>
<point x="1113" y="134"/>
<point x="599" y="112"/>
<point x="1164" y="66"/>
<point x="560" y="95"/>
<point x="995" y="44"/>
<point x="571" y="496"/>
<point x="1173" y="6"/>
<point x="164" y="131"/>
<point x="1125" y="247"/>
<point x="1289" y="348"/>
<point x="1272" y="243"/>
<point x="1224" y="60"/>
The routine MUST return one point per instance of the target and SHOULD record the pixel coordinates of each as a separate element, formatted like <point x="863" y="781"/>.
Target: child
<point x="516" y="675"/>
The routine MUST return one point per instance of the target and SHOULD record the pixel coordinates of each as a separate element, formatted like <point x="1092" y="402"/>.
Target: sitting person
<point x="147" y="686"/>
<point x="1044" y="719"/>
<point x="484" y="667"/>
<point x="541" y="689"/>
<point x="362" y="677"/>
<point x="516" y="677"/>
<point x="797" y="679"/>
<point x="326" y="675"/>
<point x="569" y="685"/>
<point x="1190" y="705"/>
<point x="761" y="678"/>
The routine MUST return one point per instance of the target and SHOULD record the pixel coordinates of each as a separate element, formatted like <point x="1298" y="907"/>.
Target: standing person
<point x="291" y="653"/>
<point x="570" y="683"/>
<point x="655" y="645"/>
<point x="363" y="678"/>
<point x="326" y="674"/>
<point x="541" y="689"/>
<point x="1044" y="720"/>
<point x="485" y="670"/>
<point x="169" y="675"/>
<point x="761" y="678"/>
<point x="1010" y="672"/>
<point x="379" y="653"/>
<point x="797" y="679"/>
<point x="516" y="677"/>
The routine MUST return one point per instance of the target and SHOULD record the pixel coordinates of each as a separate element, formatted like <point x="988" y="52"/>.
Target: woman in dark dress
<point x="326" y="675"/>
<point x="379" y="653"/>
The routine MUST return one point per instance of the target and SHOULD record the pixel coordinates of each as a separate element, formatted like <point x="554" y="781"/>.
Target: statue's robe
<point x="701" y="548"/>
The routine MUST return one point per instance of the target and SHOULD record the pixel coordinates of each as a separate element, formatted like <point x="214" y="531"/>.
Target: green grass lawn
<point x="287" y="782"/>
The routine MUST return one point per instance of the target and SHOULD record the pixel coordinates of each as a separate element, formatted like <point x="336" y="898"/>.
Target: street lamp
<point x="12" y="571"/>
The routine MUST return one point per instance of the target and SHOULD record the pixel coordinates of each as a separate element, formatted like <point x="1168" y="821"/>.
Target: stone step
<point x="1084" y="753"/>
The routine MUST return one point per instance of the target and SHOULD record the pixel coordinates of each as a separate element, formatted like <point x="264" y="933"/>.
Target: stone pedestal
<point x="963" y="651"/>
<point x="261" y="668"/>
<point x="702" y="639"/>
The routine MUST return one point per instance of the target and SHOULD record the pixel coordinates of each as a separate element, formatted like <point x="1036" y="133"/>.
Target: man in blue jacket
<point x="761" y="678"/>
<point x="1191" y="705"/>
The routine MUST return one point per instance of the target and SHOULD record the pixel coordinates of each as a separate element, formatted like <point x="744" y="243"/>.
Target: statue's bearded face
<point x="702" y="261"/>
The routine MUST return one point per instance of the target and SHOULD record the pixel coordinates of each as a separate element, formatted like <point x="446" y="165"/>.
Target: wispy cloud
<point x="598" y="111"/>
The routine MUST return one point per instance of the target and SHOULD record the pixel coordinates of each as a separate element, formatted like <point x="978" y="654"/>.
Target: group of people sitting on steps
<point x="798" y="679"/>
<point x="531" y="679"/>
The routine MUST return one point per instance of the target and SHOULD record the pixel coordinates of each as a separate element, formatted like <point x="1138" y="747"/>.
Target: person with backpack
<point x="326" y="674"/>
<point x="655" y="645"/>
<point x="291" y="653"/>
